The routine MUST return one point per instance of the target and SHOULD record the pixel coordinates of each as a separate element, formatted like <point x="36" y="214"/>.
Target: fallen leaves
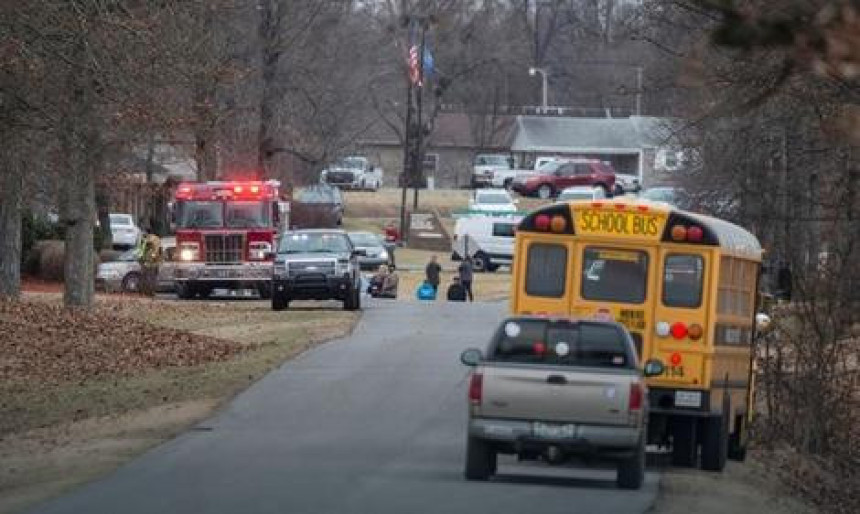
<point x="46" y="343"/>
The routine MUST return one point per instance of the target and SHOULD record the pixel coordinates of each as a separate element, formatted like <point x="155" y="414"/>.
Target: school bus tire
<point x="715" y="442"/>
<point x="737" y="448"/>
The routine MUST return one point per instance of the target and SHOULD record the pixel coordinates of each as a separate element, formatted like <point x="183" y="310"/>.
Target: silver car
<point x="377" y="252"/>
<point x="124" y="273"/>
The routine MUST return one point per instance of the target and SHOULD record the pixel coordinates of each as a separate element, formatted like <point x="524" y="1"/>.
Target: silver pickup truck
<point x="555" y="389"/>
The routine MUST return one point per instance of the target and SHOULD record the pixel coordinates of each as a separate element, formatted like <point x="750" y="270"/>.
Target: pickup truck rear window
<point x="562" y="343"/>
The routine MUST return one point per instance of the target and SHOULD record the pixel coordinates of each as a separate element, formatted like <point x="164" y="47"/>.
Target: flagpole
<point x="407" y="155"/>
<point x="418" y="166"/>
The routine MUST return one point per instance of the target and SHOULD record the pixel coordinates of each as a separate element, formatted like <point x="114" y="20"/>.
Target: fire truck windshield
<point x="219" y="214"/>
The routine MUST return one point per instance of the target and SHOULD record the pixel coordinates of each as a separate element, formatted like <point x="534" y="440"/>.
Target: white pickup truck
<point x="353" y="173"/>
<point x="555" y="389"/>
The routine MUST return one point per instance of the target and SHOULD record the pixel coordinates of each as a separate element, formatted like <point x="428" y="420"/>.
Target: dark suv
<point x="316" y="265"/>
<point x="556" y="176"/>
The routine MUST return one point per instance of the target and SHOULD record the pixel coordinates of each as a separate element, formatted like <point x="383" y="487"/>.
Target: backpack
<point x="456" y="293"/>
<point x="426" y="292"/>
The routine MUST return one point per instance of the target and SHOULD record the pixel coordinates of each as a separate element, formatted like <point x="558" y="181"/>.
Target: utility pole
<point x="639" y="91"/>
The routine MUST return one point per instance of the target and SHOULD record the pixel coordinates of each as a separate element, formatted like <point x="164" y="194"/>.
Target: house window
<point x="431" y="162"/>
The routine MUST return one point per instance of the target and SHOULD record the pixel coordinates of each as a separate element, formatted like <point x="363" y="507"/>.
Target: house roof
<point x="453" y="130"/>
<point x="552" y="134"/>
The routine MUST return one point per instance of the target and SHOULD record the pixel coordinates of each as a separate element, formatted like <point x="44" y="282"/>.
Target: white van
<point x="489" y="240"/>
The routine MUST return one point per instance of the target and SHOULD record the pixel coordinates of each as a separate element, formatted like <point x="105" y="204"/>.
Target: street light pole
<point x="542" y="72"/>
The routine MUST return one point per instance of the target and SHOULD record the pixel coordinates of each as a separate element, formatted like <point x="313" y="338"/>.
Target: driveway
<point x="374" y="423"/>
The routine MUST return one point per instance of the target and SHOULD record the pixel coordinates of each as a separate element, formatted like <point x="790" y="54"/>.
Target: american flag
<point x="414" y="70"/>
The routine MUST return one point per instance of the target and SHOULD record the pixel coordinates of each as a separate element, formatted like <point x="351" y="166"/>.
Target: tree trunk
<point x="11" y="190"/>
<point x="270" y="58"/>
<point x="80" y="144"/>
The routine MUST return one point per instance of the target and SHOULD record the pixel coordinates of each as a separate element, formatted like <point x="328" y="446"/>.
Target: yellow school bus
<point x="685" y="287"/>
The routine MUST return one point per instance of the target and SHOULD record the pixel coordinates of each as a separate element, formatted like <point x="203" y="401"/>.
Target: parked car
<point x="124" y="232"/>
<point x="581" y="193"/>
<point x="317" y="206"/>
<point x="377" y="252"/>
<point x="672" y="196"/>
<point x="626" y="183"/>
<point x="484" y="166"/>
<point x="353" y="173"/>
<point x="492" y="200"/>
<point x="558" y="389"/>
<point x="504" y="177"/>
<point x="555" y="176"/>
<point x="316" y="265"/>
<point x="124" y="273"/>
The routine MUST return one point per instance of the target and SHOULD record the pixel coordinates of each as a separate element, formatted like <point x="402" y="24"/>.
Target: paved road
<point x="370" y="424"/>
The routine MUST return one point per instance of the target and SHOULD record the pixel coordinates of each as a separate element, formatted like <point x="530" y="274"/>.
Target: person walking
<point x="433" y="272"/>
<point x="466" y="273"/>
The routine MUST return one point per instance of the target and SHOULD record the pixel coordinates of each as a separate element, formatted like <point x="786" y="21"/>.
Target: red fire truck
<point x="225" y="236"/>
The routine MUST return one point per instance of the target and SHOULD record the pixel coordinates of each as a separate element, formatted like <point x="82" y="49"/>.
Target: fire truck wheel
<point x="265" y="291"/>
<point x="184" y="291"/>
<point x="279" y="302"/>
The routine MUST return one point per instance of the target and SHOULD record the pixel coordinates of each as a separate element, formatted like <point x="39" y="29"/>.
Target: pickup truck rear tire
<point x="480" y="459"/>
<point x="631" y="472"/>
<point x="684" y="447"/>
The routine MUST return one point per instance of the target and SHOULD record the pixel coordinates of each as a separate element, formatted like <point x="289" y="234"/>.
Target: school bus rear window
<point x="682" y="281"/>
<point x="546" y="272"/>
<point x="612" y="275"/>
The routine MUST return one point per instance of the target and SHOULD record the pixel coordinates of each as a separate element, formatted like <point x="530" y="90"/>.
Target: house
<point x="450" y="147"/>
<point x="637" y="145"/>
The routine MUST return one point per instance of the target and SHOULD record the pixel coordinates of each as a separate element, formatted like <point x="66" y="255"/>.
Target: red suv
<point x="555" y="176"/>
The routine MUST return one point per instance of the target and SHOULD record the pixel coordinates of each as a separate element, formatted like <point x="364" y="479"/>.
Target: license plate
<point x="553" y="431"/>
<point x="688" y="398"/>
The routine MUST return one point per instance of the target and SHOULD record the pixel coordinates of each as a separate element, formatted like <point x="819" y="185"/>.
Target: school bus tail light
<point x="679" y="330"/>
<point x="679" y="233"/>
<point x="695" y="234"/>
<point x="542" y="222"/>
<point x="558" y="224"/>
<point x="695" y="331"/>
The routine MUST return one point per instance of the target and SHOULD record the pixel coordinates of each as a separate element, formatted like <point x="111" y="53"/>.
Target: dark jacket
<point x="465" y="270"/>
<point x="433" y="270"/>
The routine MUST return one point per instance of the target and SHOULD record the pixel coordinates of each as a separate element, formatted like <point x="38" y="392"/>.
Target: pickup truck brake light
<point x="636" y="394"/>
<point x="476" y="388"/>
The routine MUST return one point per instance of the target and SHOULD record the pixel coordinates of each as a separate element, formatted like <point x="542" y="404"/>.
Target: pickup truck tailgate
<point x="572" y="395"/>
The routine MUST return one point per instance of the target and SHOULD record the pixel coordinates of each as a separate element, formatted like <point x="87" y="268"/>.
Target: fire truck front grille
<point x="224" y="248"/>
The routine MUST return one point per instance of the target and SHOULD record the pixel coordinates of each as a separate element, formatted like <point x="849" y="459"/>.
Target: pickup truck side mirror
<point x="471" y="357"/>
<point x="653" y="367"/>
<point x="359" y="253"/>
